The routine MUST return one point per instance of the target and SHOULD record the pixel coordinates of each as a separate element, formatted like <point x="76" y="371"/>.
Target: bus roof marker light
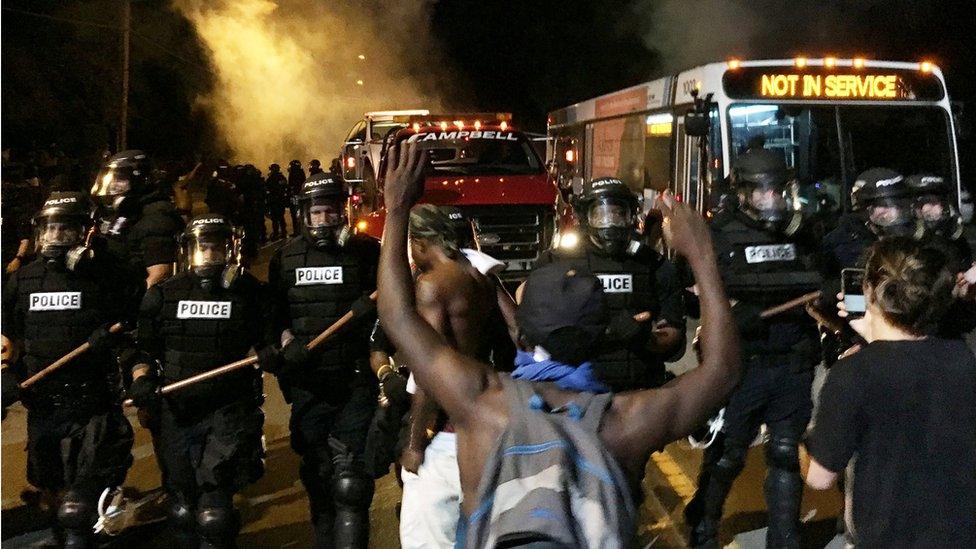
<point x="830" y="62"/>
<point x="925" y="66"/>
<point x="801" y="62"/>
<point x="858" y="62"/>
<point x="733" y="64"/>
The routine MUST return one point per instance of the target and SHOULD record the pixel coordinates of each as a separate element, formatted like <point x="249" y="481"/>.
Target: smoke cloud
<point x="291" y="77"/>
<point x="686" y="33"/>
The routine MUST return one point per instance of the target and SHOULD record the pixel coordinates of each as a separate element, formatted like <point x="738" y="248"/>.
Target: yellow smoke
<point x="292" y="77"/>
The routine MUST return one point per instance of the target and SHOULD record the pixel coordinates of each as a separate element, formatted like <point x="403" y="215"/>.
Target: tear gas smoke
<point x="292" y="76"/>
<point x="686" y="34"/>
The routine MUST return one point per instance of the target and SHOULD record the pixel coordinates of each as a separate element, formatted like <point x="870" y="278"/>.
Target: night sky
<point x="60" y="75"/>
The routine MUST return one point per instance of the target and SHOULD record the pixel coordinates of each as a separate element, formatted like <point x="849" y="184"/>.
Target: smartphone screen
<point x="851" y="282"/>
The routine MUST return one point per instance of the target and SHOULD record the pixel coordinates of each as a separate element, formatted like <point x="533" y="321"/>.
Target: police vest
<point x="630" y="287"/>
<point x="60" y="311"/>
<point x="321" y="286"/>
<point x="202" y="330"/>
<point x="766" y="269"/>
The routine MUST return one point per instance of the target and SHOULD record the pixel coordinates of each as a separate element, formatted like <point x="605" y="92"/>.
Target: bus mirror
<point x="696" y="124"/>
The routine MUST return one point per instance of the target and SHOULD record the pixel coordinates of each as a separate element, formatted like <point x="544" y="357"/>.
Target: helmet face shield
<point x="207" y="252"/>
<point x="890" y="212"/>
<point x="610" y="213"/>
<point x="55" y="235"/>
<point x="322" y="218"/>
<point x="932" y="208"/>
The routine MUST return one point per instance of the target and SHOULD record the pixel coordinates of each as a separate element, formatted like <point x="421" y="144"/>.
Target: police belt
<point x="86" y="395"/>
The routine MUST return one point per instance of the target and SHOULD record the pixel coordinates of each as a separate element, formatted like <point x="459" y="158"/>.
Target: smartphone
<point x="852" y="285"/>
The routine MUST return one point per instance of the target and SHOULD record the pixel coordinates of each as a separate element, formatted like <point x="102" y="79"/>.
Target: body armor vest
<point x="767" y="269"/>
<point x="60" y="311"/>
<point x="321" y="287"/>
<point x="630" y="287"/>
<point x="205" y="329"/>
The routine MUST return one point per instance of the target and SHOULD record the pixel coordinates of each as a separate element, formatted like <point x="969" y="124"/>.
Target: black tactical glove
<point x="294" y="355"/>
<point x="622" y="328"/>
<point x="101" y="340"/>
<point x="747" y="318"/>
<point x="144" y="391"/>
<point x="393" y="388"/>
<point x="269" y="359"/>
<point x="363" y="306"/>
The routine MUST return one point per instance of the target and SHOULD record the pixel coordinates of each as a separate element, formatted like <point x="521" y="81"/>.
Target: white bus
<point x="830" y="118"/>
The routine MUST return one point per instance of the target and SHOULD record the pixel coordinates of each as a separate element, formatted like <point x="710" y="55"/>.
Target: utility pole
<point x="124" y="122"/>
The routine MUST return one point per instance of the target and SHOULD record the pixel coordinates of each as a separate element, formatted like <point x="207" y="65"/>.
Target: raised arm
<point x="451" y="379"/>
<point x="685" y="403"/>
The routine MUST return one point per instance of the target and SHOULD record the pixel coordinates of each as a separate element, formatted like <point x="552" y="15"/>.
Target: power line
<point x="63" y="19"/>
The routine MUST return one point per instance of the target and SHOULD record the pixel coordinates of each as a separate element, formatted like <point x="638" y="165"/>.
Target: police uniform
<point x="764" y="261"/>
<point x="78" y="440"/>
<point x="209" y="435"/>
<point x="633" y="283"/>
<point x="333" y="397"/>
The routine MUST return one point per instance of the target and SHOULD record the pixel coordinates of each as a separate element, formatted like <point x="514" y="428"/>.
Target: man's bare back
<point x="456" y="300"/>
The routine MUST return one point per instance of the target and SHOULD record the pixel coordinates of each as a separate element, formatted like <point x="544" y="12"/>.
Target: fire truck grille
<point x="513" y="234"/>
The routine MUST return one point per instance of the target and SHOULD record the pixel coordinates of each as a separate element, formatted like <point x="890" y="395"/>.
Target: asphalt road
<point x="275" y="514"/>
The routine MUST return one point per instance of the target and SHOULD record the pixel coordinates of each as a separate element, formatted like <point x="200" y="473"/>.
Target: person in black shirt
<point x="903" y="409"/>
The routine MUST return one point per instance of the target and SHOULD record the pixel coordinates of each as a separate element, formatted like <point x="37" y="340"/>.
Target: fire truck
<point x="483" y="166"/>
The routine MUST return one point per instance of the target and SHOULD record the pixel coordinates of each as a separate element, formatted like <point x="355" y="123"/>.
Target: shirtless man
<point x="458" y="301"/>
<point x="479" y="400"/>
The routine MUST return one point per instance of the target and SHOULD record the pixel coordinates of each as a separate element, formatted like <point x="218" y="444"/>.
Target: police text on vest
<point x="617" y="283"/>
<point x="202" y="309"/>
<point x="306" y="276"/>
<point x="55" y="301"/>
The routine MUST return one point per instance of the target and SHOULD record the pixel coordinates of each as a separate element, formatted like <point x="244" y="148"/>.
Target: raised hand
<point x="405" y="169"/>
<point x="684" y="230"/>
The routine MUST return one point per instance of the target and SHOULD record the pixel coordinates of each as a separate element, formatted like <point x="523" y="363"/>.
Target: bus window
<point x="657" y="151"/>
<point x="617" y="150"/>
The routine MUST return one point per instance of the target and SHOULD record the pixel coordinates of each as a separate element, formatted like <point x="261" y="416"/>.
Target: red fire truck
<point x="489" y="170"/>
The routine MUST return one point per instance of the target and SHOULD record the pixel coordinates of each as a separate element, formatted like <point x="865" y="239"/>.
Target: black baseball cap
<point x="560" y="298"/>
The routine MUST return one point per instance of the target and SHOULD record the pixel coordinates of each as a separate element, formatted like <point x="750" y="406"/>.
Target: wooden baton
<point x="79" y="350"/>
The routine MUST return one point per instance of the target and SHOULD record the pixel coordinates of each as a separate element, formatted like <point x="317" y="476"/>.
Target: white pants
<point x="432" y="497"/>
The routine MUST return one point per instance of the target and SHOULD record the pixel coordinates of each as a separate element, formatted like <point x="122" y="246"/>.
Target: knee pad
<point x="783" y="454"/>
<point x="217" y="524"/>
<point x="352" y="490"/>
<point x="76" y="512"/>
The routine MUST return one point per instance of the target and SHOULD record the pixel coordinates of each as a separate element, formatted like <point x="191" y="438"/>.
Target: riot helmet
<point x="62" y="225"/>
<point x="210" y="248"/>
<point x="294" y="164"/>
<point x="323" y="201"/>
<point x="607" y="214"/>
<point x="932" y="204"/>
<point x="761" y="182"/>
<point x="123" y="178"/>
<point x="223" y="169"/>
<point x="885" y="199"/>
<point x="274" y="168"/>
<point x="314" y="166"/>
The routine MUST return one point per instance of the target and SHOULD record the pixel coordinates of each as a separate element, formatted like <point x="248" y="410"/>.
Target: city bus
<point x="830" y="118"/>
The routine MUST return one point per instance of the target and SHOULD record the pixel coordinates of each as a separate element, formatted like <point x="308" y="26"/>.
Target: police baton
<point x="804" y="299"/>
<point x="79" y="350"/>
<point x="252" y="360"/>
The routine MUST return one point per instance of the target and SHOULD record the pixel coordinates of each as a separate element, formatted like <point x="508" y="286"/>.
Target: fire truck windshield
<point x="484" y="157"/>
<point x="828" y="145"/>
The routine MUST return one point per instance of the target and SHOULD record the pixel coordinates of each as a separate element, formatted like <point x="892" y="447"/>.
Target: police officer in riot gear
<point x="314" y="167"/>
<point x="636" y="279"/>
<point x="933" y="204"/>
<point x="276" y="186"/>
<point x="138" y="220"/>
<point x="314" y="280"/>
<point x="78" y="440"/>
<point x="210" y="433"/>
<point x="765" y="260"/>
<point x="296" y="177"/>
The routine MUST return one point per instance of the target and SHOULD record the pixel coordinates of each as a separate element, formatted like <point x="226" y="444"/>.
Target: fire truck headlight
<point x="350" y="162"/>
<point x="567" y="240"/>
<point x="362" y="225"/>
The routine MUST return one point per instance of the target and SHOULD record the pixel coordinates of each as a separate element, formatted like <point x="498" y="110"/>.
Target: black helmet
<point x="123" y="176"/>
<point x="314" y="163"/>
<point x="294" y="164"/>
<point x="61" y="225"/>
<point x="886" y="200"/>
<point x="210" y="247"/>
<point x="607" y="213"/>
<point x="765" y="171"/>
<point x="932" y="204"/>
<point x="325" y="191"/>
<point x="274" y="168"/>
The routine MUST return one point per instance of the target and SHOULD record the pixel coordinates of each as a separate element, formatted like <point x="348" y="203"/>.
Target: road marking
<point x="676" y="477"/>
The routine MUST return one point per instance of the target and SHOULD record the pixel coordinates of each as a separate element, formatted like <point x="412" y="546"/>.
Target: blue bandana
<point x="571" y="378"/>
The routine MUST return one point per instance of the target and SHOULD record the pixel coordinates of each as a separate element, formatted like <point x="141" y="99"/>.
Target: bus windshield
<point x="828" y="145"/>
<point x="484" y="157"/>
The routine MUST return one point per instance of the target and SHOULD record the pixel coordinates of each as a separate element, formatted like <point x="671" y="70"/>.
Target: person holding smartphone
<point x="903" y="409"/>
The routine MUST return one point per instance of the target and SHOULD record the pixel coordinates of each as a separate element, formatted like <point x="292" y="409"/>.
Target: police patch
<point x="617" y="283"/>
<point x="202" y="309"/>
<point x="55" y="301"/>
<point x="307" y="276"/>
<point x="770" y="252"/>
